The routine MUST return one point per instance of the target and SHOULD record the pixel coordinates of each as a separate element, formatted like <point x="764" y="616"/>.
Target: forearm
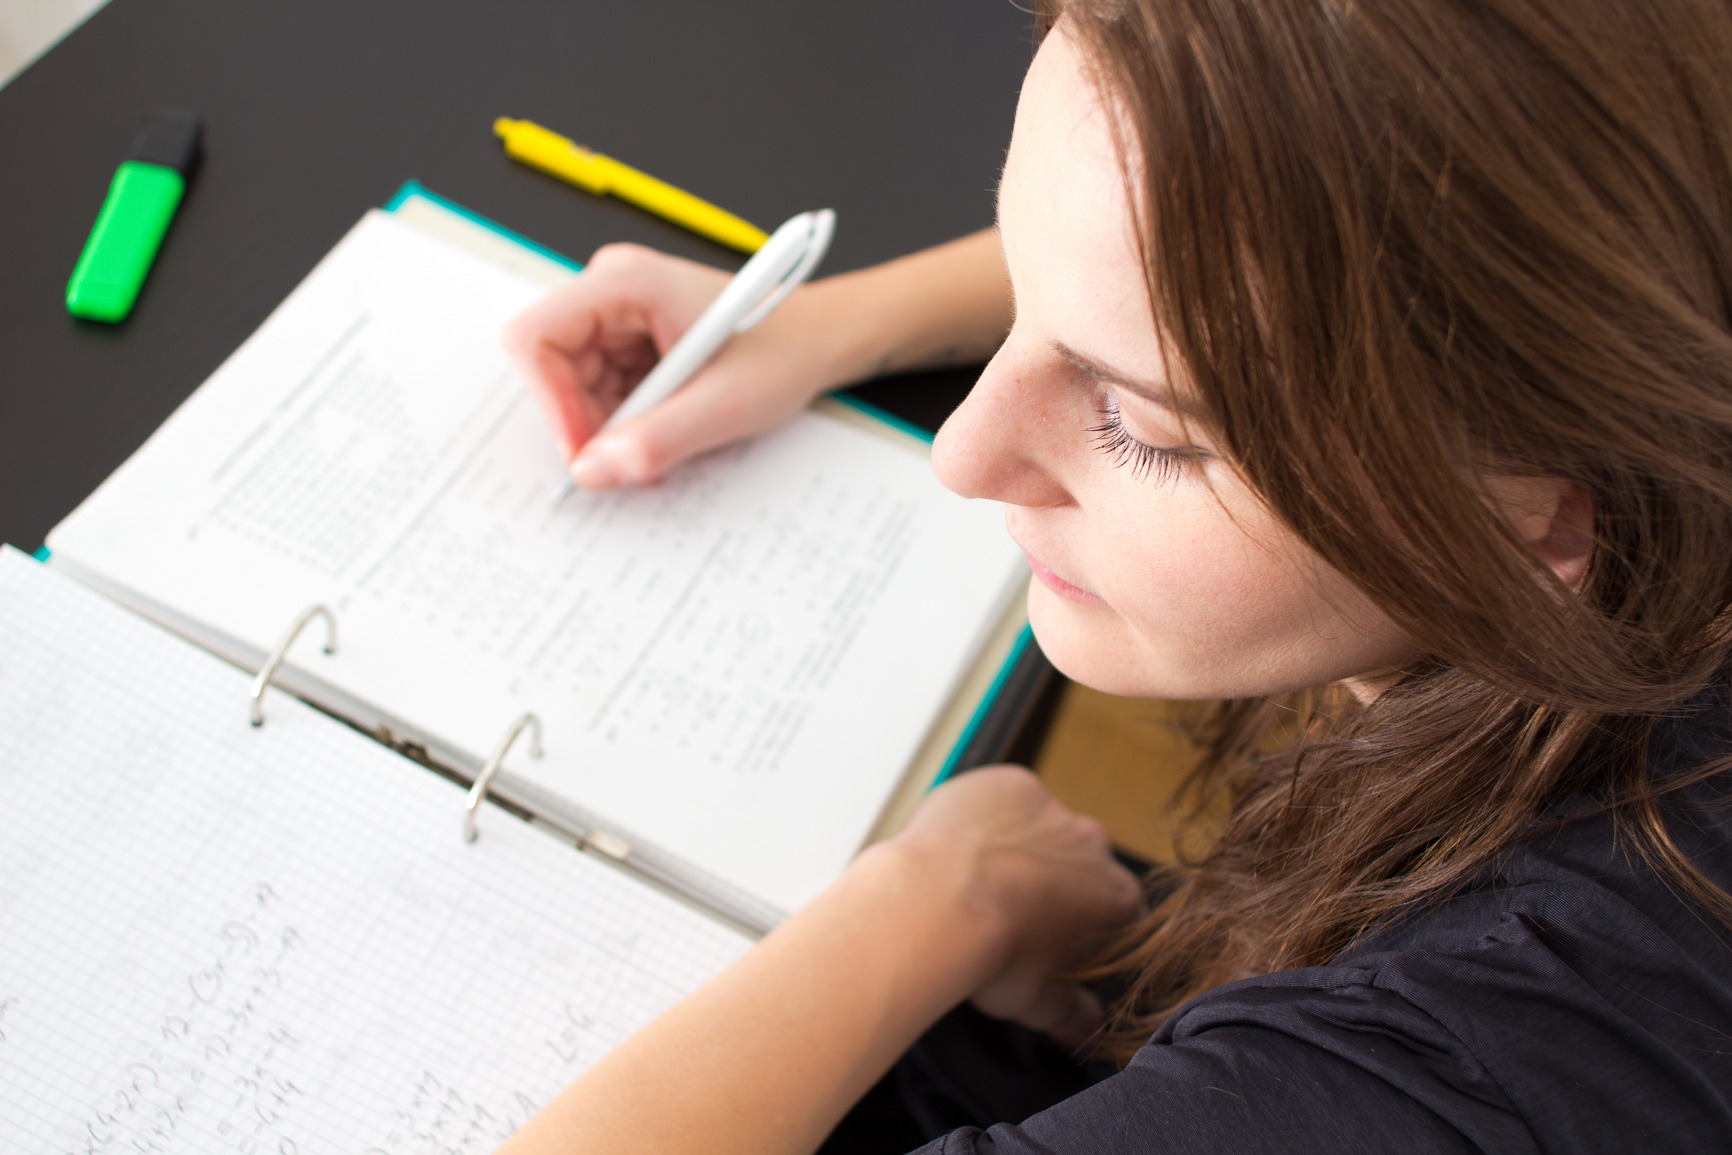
<point x="947" y="305"/>
<point x="770" y="1055"/>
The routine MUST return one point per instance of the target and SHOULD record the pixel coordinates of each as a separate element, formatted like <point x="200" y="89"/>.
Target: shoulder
<point x="1522" y="1022"/>
<point x="1565" y="1020"/>
<point x="1570" y="1002"/>
<point x="1573" y="991"/>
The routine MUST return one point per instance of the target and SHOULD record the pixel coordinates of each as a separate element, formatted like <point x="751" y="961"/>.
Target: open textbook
<point x="221" y="939"/>
<point x="735" y="671"/>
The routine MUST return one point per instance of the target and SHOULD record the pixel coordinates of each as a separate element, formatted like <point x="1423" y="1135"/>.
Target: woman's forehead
<point x="1066" y="220"/>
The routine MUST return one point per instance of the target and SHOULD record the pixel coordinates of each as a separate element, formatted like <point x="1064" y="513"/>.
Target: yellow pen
<point x="536" y="147"/>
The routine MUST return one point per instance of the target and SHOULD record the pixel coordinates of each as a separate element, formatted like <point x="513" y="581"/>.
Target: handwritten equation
<point x="219" y="1060"/>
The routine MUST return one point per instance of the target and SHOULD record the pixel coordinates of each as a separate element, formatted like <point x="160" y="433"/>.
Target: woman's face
<point x="1160" y="572"/>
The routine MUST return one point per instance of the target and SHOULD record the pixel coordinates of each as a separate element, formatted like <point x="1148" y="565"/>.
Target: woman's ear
<point x="1554" y="517"/>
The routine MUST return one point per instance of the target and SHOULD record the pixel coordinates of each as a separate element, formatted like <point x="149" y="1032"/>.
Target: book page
<point x="221" y="939"/>
<point x="735" y="665"/>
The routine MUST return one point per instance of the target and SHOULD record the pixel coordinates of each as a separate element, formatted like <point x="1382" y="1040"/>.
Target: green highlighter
<point x="147" y="189"/>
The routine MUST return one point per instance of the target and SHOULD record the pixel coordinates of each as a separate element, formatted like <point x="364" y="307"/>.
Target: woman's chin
<point x="1087" y="644"/>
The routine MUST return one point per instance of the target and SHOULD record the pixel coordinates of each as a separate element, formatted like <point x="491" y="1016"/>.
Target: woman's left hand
<point x="1039" y="878"/>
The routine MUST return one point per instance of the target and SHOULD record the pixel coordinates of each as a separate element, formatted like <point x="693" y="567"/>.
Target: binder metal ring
<point x="275" y="661"/>
<point x="478" y="792"/>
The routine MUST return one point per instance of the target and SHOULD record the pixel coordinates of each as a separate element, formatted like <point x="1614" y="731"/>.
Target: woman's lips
<point x="1059" y="586"/>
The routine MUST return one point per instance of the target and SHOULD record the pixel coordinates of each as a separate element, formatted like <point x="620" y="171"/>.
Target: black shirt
<point x="1572" y="1002"/>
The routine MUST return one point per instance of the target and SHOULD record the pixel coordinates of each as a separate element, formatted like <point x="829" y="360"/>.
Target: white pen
<point x="787" y="258"/>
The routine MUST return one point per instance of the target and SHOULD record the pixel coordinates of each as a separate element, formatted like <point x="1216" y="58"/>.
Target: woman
<point x="1369" y="361"/>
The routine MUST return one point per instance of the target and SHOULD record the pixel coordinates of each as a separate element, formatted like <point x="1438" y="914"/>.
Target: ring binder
<point x="483" y="780"/>
<point x="273" y="663"/>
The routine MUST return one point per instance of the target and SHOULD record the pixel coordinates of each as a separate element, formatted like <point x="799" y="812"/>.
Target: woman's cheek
<point x="1203" y="584"/>
<point x="1184" y="558"/>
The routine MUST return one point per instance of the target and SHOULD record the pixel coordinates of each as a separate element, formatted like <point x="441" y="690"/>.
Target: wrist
<point x="943" y="306"/>
<point x="942" y="884"/>
<point x="855" y="322"/>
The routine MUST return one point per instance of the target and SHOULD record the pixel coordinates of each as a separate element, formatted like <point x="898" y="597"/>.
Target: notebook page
<point x="735" y="665"/>
<point x="220" y="939"/>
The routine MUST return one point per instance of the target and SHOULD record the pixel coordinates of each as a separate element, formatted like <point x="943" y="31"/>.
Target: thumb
<point x="1069" y="1013"/>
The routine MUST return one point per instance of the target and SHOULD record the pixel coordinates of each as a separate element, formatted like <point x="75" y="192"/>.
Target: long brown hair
<point x="1395" y="247"/>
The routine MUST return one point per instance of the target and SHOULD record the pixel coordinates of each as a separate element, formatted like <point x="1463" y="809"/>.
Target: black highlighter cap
<point x="171" y="140"/>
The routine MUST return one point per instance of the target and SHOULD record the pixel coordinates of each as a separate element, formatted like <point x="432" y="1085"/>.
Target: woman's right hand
<point x="587" y="344"/>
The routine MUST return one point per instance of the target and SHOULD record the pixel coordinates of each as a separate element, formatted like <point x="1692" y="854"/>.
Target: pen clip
<point x="817" y="244"/>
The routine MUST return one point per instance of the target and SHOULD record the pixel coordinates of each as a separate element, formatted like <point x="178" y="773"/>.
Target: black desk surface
<point x="893" y="112"/>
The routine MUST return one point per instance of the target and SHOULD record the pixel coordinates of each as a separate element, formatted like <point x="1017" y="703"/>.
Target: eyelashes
<point x="1144" y="461"/>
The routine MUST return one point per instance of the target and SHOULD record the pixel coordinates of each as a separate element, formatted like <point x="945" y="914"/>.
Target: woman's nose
<point x="1007" y="437"/>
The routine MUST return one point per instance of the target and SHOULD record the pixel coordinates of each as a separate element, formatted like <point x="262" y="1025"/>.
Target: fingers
<point x="562" y="390"/>
<point x="1070" y="1013"/>
<point x="623" y="286"/>
<point x="551" y="345"/>
<point x="586" y="344"/>
<point x="719" y="405"/>
<point x="760" y="379"/>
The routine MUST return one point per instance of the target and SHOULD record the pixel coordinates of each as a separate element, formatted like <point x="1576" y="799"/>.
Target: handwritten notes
<point x="220" y="1049"/>
<point x="274" y="941"/>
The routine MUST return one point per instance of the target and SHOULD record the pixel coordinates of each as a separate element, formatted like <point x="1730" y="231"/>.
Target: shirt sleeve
<point x="1253" y="1068"/>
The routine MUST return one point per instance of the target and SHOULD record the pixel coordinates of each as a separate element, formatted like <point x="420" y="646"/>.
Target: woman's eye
<point x="1145" y="461"/>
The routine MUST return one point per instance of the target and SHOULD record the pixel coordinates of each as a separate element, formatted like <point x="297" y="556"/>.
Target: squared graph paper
<point x="221" y="939"/>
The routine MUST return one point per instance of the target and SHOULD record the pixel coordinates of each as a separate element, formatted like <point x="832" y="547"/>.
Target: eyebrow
<point x="1165" y="397"/>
